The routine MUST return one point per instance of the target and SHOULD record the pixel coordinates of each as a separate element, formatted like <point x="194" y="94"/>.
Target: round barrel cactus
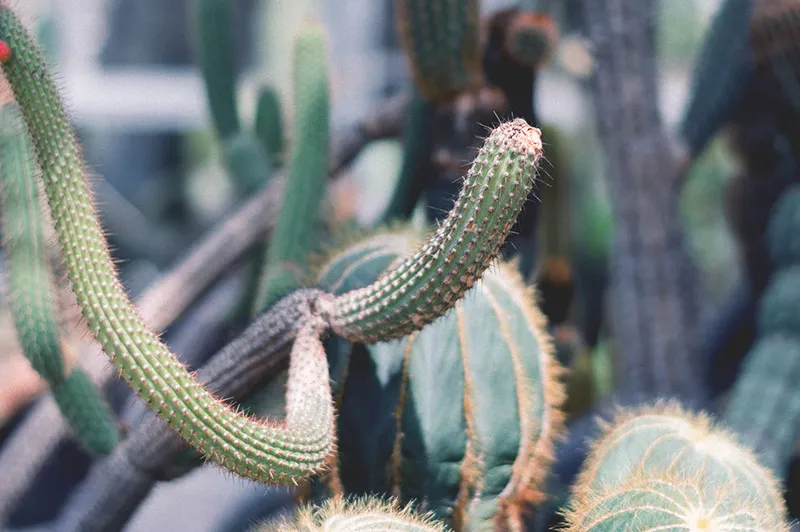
<point x="662" y="468"/>
<point x="459" y="417"/>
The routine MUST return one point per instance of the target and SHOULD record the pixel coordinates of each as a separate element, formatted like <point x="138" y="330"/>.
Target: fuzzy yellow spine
<point x="366" y="515"/>
<point x="272" y="453"/>
<point x="428" y="284"/>
<point x="659" y="468"/>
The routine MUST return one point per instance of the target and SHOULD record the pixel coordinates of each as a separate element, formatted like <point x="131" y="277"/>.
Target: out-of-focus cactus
<point x="764" y="407"/>
<point x="298" y="221"/>
<point x="662" y="468"/>
<point x="441" y="38"/>
<point x="531" y="38"/>
<point x="32" y="291"/>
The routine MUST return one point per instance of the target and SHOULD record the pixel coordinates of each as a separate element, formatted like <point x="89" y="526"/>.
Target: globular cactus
<point x="32" y="292"/>
<point x="460" y="416"/>
<point x="441" y="39"/>
<point x="367" y="515"/>
<point x="296" y="228"/>
<point x="764" y="406"/>
<point x="660" y="468"/>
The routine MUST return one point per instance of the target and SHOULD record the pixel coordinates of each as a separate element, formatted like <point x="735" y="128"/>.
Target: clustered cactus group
<point x="399" y="380"/>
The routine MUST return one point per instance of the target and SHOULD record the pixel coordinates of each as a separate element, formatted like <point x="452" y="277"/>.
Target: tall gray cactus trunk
<point x="654" y="298"/>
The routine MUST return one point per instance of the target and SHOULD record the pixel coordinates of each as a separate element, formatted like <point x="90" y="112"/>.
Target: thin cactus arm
<point x="428" y="283"/>
<point x="257" y="450"/>
<point x="32" y="292"/>
<point x="296" y="226"/>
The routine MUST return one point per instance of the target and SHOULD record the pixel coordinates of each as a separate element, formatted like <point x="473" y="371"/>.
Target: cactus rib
<point x="31" y="297"/>
<point x="259" y="451"/>
<point x="427" y="284"/>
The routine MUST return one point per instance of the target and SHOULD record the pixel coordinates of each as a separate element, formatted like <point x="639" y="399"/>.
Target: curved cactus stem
<point x="260" y="451"/>
<point x="427" y="284"/>
<point x="32" y="292"/>
<point x="295" y="230"/>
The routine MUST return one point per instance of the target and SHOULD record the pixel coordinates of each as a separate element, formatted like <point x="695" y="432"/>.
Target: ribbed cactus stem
<point x="295" y="230"/>
<point x="32" y="292"/>
<point x="428" y="284"/>
<point x="265" y="452"/>
<point x="441" y="38"/>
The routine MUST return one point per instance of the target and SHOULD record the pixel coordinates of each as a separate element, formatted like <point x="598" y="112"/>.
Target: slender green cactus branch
<point x="260" y="451"/>
<point x="31" y="296"/>
<point x="427" y="284"/>
<point x="298" y="220"/>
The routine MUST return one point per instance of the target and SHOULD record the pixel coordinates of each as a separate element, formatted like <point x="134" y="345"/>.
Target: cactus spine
<point x="32" y="300"/>
<point x="429" y="283"/>
<point x="367" y="515"/>
<point x="297" y="223"/>
<point x="442" y="42"/>
<point x="260" y="451"/>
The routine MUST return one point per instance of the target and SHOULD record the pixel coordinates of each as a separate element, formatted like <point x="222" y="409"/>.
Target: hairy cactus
<point x="661" y="468"/>
<point x="295" y="231"/>
<point x="442" y="42"/>
<point x="368" y="515"/>
<point x="32" y="292"/>
<point x="429" y="283"/>
<point x="421" y="419"/>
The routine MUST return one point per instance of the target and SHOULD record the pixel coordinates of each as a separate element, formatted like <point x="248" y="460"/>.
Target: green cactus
<point x="367" y="515"/>
<point x="269" y="124"/>
<point x="441" y="39"/>
<point x="662" y="467"/>
<point x="720" y="75"/>
<point x="217" y="61"/>
<point x="764" y="406"/>
<point x="295" y="230"/>
<point x="32" y="292"/>
<point x="429" y="283"/>
<point x="441" y="393"/>
<point x="261" y="451"/>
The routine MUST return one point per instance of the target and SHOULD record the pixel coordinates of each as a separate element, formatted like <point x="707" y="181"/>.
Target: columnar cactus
<point x="442" y="42"/>
<point x="661" y="468"/>
<point x="296" y="228"/>
<point x="32" y="292"/>
<point x="764" y="407"/>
